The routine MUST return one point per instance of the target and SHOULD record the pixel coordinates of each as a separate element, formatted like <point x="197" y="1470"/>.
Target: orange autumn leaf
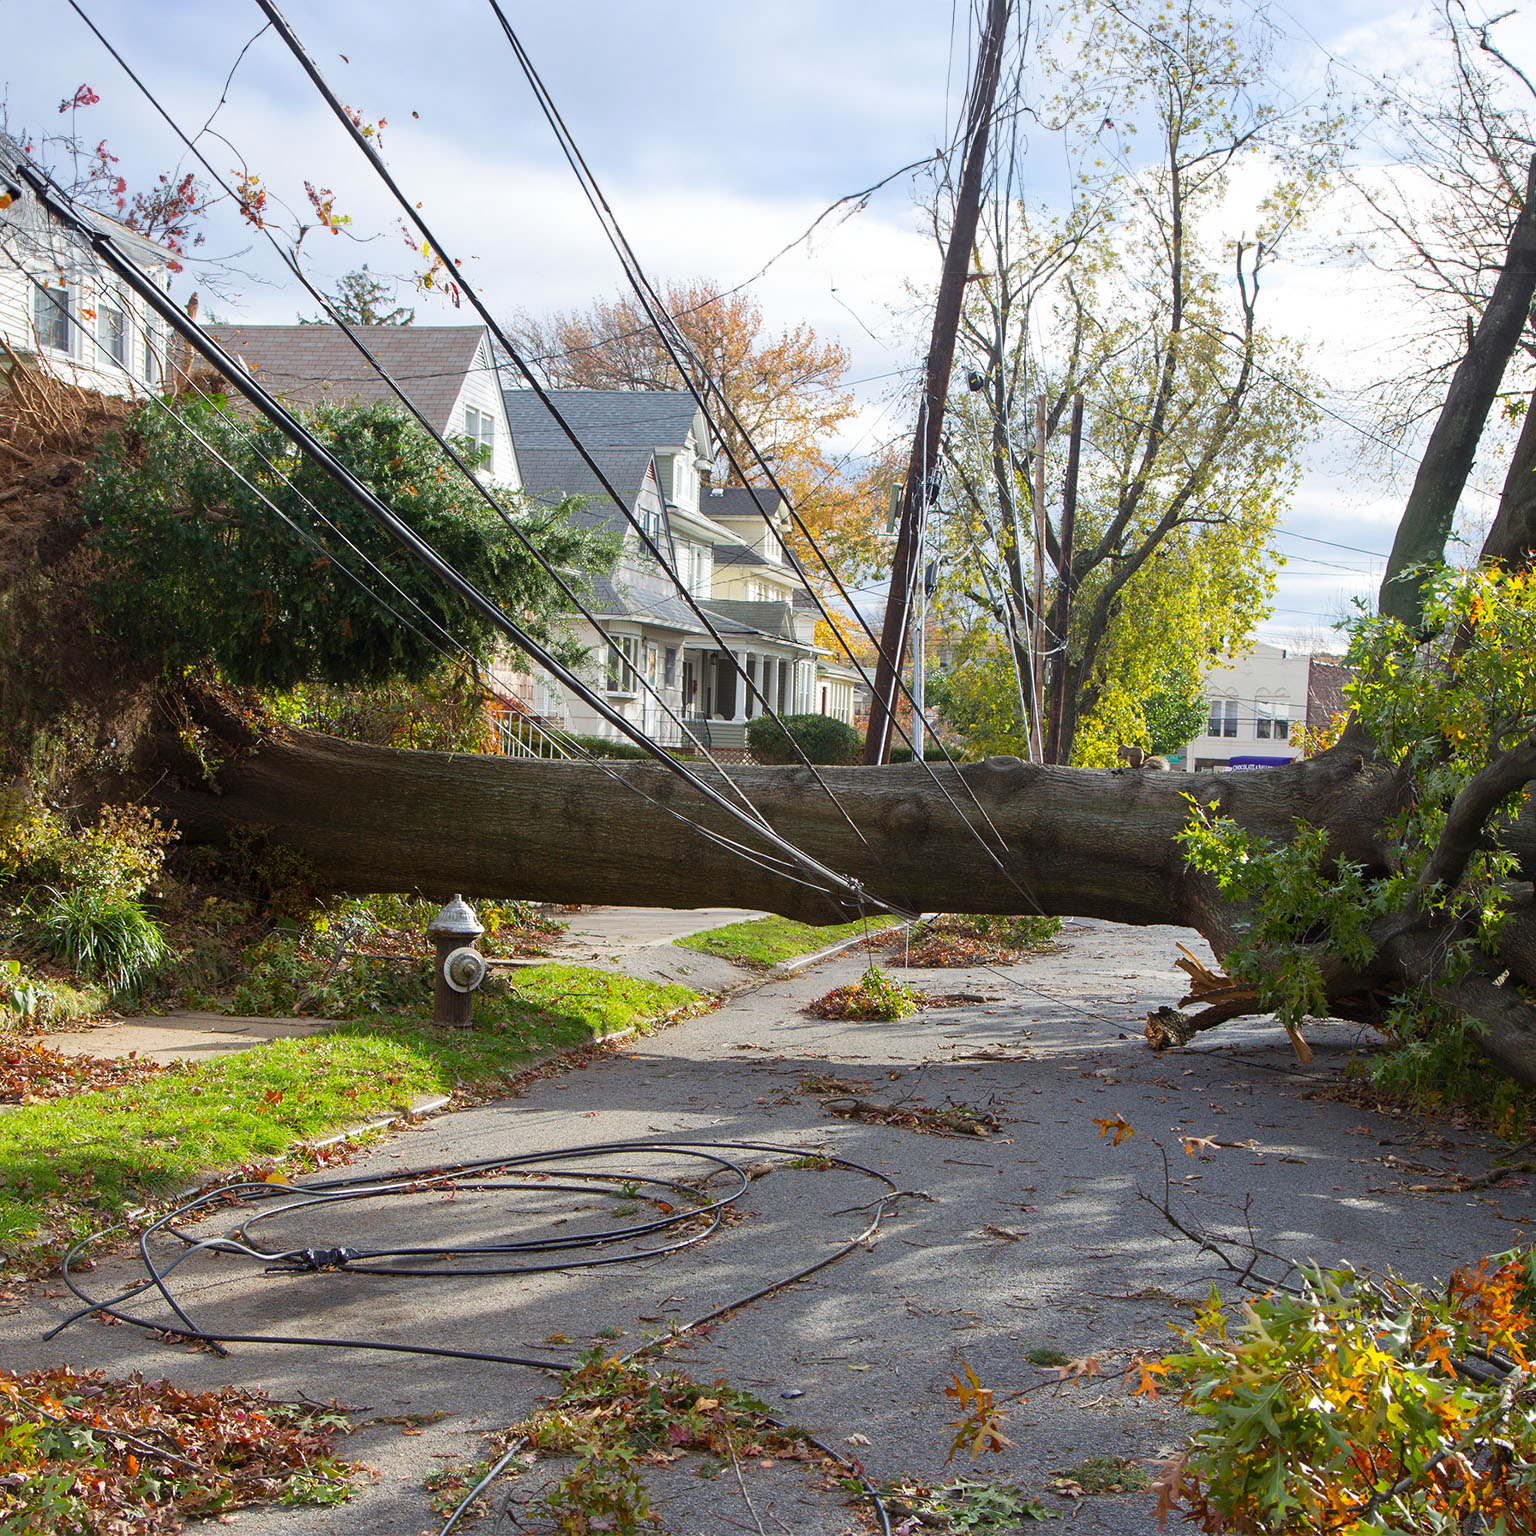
<point x="1115" y="1125"/>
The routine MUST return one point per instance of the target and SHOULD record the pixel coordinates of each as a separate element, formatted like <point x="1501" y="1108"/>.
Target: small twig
<point x="895" y="1194"/>
<point x="741" y="1483"/>
<point x="1461" y="1182"/>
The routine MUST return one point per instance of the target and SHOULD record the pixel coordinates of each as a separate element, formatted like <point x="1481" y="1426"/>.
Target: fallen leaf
<point x="1117" y="1125"/>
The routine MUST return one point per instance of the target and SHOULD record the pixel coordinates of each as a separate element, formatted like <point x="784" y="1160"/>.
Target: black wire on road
<point x="695" y="1216"/>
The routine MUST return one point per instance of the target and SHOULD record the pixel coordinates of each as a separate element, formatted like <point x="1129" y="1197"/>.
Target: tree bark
<point x="1067" y="841"/>
<point x="1442" y="476"/>
<point x="998" y="836"/>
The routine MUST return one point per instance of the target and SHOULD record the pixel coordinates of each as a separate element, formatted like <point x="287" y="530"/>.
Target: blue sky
<point x="720" y="130"/>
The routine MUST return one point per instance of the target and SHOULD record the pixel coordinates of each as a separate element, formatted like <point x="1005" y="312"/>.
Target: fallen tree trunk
<point x="1068" y="841"/>
<point x="997" y="836"/>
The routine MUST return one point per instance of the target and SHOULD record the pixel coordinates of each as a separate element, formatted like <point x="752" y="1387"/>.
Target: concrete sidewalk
<point x="616" y="936"/>
<point x="1033" y="1239"/>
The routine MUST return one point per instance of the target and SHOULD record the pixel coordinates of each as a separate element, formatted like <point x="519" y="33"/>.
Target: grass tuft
<point x="767" y="941"/>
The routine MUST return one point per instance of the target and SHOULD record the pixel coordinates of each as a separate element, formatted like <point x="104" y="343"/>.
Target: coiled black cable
<point x="696" y="1216"/>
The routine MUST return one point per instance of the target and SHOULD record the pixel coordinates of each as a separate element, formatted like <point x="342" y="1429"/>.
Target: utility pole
<point x="920" y="652"/>
<point x="1061" y="613"/>
<point x="922" y="470"/>
<point x="1037" y="604"/>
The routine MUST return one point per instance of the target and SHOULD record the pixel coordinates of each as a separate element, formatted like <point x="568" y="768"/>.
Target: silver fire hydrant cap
<point x="456" y="921"/>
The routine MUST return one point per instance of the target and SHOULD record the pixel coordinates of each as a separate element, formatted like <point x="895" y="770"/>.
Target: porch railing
<point x="523" y="736"/>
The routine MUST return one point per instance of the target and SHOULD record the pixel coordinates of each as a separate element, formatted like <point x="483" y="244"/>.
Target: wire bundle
<point x="684" y="1212"/>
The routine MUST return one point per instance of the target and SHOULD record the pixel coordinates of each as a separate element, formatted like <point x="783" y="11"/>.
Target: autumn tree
<point x="785" y="388"/>
<point x="167" y="211"/>
<point x="1194" y="415"/>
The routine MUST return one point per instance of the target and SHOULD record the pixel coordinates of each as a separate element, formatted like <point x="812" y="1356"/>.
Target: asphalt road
<point x="1035" y="1238"/>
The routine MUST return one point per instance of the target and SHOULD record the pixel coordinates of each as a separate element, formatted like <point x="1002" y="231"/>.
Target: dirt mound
<point x="70" y="701"/>
<point x="49" y="432"/>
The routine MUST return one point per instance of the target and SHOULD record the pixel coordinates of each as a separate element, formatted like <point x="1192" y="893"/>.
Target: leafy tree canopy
<point x="196" y="569"/>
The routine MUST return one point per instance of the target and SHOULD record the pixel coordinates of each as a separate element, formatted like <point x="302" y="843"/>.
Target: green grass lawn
<point x="68" y="1166"/>
<point x="766" y="941"/>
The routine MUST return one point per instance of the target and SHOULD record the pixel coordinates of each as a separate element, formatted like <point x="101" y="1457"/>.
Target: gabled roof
<point x="550" y="473"/>
<point x="602" y="418"/>
<point x="740" y="501"/>
<point x="772" y="619"/>
<point x="318" y="364"/>
<point x="658" y="609"/>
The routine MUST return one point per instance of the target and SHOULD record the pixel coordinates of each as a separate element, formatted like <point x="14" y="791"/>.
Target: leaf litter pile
<point x="844" y="1100"/>
<point x="31" y="1071"/>
<point x="612" y="1421"/>
<point x="80" y="1453"/>
<point x="978" y="939"/>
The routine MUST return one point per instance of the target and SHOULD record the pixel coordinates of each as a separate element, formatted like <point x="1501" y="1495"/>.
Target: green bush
<point x="196" y="568"/>
<point x="119" y="857"/>
<point x="106" y="936"/>
<point x="931" y="754"/>
<point x="822" y="739"/>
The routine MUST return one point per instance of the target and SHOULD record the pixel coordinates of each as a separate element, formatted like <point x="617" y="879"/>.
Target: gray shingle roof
<point x="550" y="473"/>
<point x="738" y="554"/>
<point x="610" y="601"/>
<point x="602" y="418"/>
<point x="739" y="501"/>
<point x="775" y="619"/>
<point x="318" y="364"/>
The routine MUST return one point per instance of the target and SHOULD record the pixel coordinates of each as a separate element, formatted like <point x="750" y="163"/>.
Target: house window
<point x="50" y="316"/>
<point x="772" y="548"/>
<point x="650" y="521"/>
<point x="622" y="651"/>
<point x="112" y="333"/>
<point x="669" y="667"/>
<point x="1271" y="721"/>
<point x="1223" y="720"/>
<point x="154" y="342"/>
<point x="480" y="429"/>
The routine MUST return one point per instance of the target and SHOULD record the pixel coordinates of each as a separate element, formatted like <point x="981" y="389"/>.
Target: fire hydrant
<point x="460" y="966"/>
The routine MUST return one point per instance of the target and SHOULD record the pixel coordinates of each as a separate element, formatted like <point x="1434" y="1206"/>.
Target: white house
<point x="62" y="310"/>
<point x="655" y="450"/>
<point x="1257" y="703"/>
<point x="444" y="370"/>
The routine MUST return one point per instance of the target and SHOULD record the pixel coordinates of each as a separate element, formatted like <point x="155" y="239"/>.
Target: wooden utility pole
<point x="1037" y="596"/>
<point x="922" y="470"/>
<point x="1061" y="610"/>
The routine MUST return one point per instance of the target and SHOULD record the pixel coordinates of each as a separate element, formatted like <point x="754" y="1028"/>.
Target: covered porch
<point x="723" y="690"/>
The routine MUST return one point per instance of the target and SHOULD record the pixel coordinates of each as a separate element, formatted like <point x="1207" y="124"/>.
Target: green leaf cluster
<point x="1439" y="711"/>
<point x="1362" y="1406"/>
<point x="196" y="569"/>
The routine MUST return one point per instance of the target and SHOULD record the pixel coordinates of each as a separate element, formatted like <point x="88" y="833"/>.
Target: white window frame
<point x="480" y="429"/>
<point x="43" y="291"/>
<point x="115" y="347"/>
<point x="154" y="353"/>
<point x="622" y="676"/>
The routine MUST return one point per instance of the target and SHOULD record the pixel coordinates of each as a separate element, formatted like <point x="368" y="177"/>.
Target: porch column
<point x="771" y="685"/>
<point x="740" y="660"/>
